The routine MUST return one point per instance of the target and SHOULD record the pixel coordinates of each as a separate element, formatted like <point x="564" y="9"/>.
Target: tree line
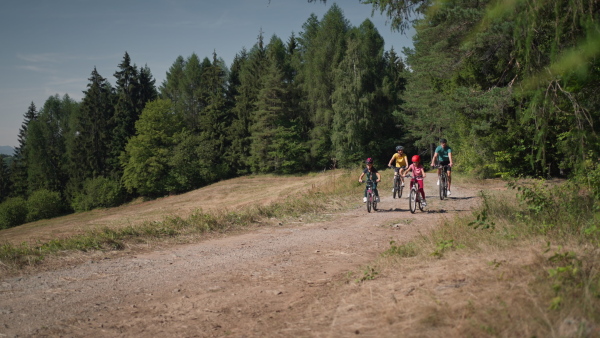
<point x="322" y="99"/>
<point x="510" y="84"/>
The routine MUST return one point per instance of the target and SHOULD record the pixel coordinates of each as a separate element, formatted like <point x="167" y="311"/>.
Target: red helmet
<point x="416" y="158"/>
<point x="369" y="160"/>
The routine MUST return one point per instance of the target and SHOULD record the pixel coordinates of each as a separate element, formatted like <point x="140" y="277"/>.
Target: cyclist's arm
<point x="450" y="158"/>
<point x="407" y="170"/>
<point x="390" y="164"/>
<point x="378" y="176"/>
<point x="435" y="155"/>
<point x="361" y="176"/>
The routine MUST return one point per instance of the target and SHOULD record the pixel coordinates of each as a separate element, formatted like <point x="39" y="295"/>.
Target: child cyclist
<point x="419" y="174"/>
<point x="401" y="164"/>
<point x="373" y="175"/>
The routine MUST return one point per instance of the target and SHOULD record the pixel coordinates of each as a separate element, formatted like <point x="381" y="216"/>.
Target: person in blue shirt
<point x="443" y="154"/>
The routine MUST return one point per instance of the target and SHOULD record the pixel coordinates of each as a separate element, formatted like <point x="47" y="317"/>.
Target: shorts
<point x="446" y="163"/>
<point x="397" y="169"/>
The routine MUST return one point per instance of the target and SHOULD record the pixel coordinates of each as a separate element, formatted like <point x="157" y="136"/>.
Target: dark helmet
<point x="443" y="140"/>
<point x="416" y="158"/>
<point x="398" y="148"/>
<point x="369" y="161"/>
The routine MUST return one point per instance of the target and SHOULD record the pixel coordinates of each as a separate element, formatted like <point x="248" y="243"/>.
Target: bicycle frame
<point x="443" y="177"/>
<point x="414" y="198"/>
<point x="371" y="198"/>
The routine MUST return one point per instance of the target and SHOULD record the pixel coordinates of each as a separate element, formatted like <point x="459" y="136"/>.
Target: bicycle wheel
<point x="374" y="202"/>
<point x="419" y="199"/>
<point x="445" y="186"/>
<point x="412" y="200"/>
<point x="442" y="185"/>
<point x="395" y="187"/>
<point x="400" y="188"/>
<point x="369" y="200"/>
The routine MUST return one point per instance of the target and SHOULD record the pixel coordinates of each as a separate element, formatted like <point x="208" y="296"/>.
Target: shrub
<point x="99" y="192"/>
<point x="13" y="211"/>
<point x="44" y="204"/>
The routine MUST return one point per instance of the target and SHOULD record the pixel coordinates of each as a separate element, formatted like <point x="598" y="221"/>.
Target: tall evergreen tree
<point x="250" y="76"/>
<point x="325" y="49"/>
<point x="5" y="183"/>
<point x="90" y="149"/>
<point x="127" y="110"/>
<point x="148" y="91"/>
<point x="19" y="165"/>
<point x="46" y="155"/>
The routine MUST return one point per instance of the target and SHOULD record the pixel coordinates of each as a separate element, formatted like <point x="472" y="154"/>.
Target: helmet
<point x="369" y="160"/>
<point x="416" y="158"/>
<point x="398" y="148"/>
<point x="443" y="140"/>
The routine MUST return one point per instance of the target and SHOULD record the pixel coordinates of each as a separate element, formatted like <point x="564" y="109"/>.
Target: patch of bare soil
<point x="297" y="279"/>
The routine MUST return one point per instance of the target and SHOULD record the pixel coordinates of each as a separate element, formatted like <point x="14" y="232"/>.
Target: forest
<point x="510" y="84"/>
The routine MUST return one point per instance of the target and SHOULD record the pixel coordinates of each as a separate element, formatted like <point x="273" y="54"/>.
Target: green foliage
<point x="482" y="220"/>
<point x="444" y="246"/>
<point x="147" y="155"/>
<point x="99" y="192"/>
<point x="369" y="273"/>
<point x="43" y="204"/>
<point x="13" y="212"/>
<point x="409" y="249"/>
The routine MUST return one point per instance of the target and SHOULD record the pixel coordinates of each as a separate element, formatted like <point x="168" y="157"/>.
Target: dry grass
<point x="494" y="276"/>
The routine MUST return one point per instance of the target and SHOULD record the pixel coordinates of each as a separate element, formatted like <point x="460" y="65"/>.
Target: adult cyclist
<point x="443" y="153"/>
<point x="401" y="164"/>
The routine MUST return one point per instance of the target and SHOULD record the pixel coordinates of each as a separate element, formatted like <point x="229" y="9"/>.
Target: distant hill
<point x="7" y="150"/>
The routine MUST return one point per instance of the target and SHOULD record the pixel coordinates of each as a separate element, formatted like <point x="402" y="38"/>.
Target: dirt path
<point x="273" y="281"/>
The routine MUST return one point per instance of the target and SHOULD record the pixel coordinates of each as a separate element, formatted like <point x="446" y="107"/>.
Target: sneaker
<point x="377" y="199"/>
<point x="449" y="193"/>
<point x="424" y="203"/>
<point x="438" y="182"/>
<point x="393" y="190"/>
<point x="402" y="184"/>
<point x="364" y="200"/>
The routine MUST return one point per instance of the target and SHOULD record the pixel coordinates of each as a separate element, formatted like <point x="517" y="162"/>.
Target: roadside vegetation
<point x="539" y="240"/>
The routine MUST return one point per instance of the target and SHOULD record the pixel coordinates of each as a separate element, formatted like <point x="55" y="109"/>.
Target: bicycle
<point x="414" y="198"/>
<point x="371" y="198"/>
<point x="398" y="187"/>
<point x="443" y="181"/>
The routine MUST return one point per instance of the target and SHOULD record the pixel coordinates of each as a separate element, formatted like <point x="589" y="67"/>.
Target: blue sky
<point x="50" y="47"/>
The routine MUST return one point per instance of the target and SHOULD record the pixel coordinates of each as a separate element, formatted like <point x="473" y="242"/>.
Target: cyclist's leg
<point x="421" y="189"/>
<point x="396" y="174"/>
<point x="449" y="177"/>
<point x="401" y="172"/>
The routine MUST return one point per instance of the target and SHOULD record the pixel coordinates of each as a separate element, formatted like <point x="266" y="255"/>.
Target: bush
<point x="44" y="204"/>
<point x="99" y="192"/>
<point x="13" y="212"/>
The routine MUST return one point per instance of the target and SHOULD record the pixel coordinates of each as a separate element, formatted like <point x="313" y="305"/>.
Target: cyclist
<point x="419" y="174"/>
<point x="401" y="164"/>
<point x="373" y="175"/>
<point x="443" y="153"/>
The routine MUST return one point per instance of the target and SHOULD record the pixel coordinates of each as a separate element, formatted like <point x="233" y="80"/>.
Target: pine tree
<point x="127" y="110"/>
<point x="252" y="68"/>
<point x="5" y="183"/>
<point x="90" y="149"/>
<point x="19" y="165"/>
<point x="46" y="155"/>
<point x="324" y="50"/>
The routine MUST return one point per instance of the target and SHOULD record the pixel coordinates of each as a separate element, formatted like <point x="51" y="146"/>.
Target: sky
<point x="50" y="47"/>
